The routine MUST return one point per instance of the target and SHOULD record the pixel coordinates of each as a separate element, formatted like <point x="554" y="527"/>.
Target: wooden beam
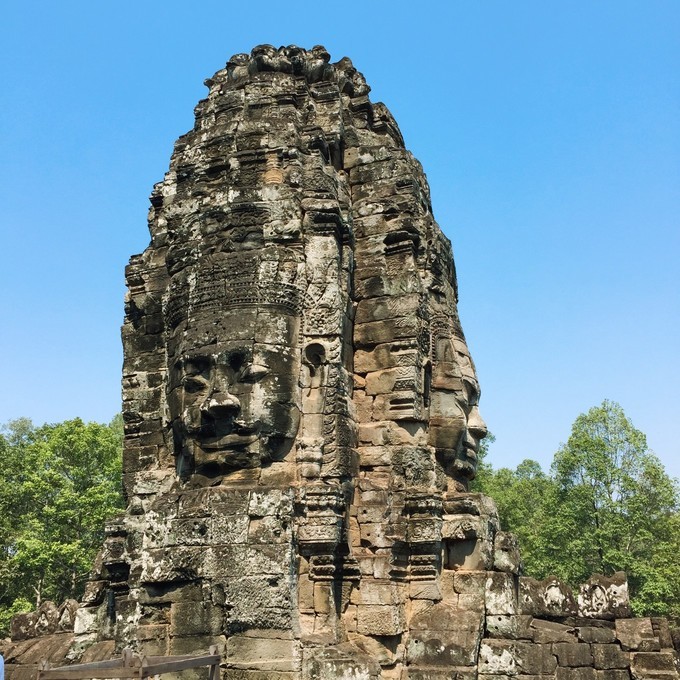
<point x="131" y="666"/>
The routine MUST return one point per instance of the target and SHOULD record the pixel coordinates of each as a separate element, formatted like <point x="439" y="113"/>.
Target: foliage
<point x="58" y="484"/>
<point x="608" y="505"/>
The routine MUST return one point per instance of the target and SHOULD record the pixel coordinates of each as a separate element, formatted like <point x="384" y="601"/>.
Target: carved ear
<point x="314" y="357"/>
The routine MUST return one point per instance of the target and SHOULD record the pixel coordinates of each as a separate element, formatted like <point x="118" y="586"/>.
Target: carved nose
<point x="221" y="405"/>
<point x="476" y="425"/>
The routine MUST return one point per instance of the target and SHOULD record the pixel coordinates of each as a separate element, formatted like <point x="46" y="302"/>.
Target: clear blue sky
<point x="550" y="134"/>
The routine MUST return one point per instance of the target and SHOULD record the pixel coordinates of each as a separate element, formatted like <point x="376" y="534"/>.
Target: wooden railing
<point x="132" y="665"/>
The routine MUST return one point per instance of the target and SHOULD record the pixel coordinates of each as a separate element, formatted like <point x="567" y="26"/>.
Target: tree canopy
<point x="607" y="505"/>
<point x="58" y="485"/>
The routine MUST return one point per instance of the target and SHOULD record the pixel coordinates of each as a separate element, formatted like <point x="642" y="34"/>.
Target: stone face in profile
<point x="456" y="426"/>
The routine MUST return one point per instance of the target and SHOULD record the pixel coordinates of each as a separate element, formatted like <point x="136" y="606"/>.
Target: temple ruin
<point x="302" y="423"/>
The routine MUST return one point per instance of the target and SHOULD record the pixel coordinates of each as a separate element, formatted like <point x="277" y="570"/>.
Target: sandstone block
<point x="471" y="603"/>
<point x="514" y="627"/>
<point x="439" y="673"/>
<point x="170" y="592"/>
<point x="386" y="330"/>
<point x="614" y="674"/>
<point x="377" y="619"/>
<point x="637" y="635"/>
<point x="375" y="456"/>
<point x="653" y="666"/>
<point x="573" y="654"/>
<point x="376" y="592"/>
<point x="241" y="674"/>
<point x="323" y="598"/>
<point x="384" y="649"/>
<point x="196" y="644"/>
<point x="501" y="594"/>
<point x="390" y="307"/>
<point x="258" y="601"/>
<point x="467" y="554"/>
<point x="609" y="656"/>
<point x="227" y="560"/>
<point x="228" y="528"/>
<point x="196" y="618"/>
<point x="425" y="530"/>
<point x="662" y="630"/>
<point x="442" y="636"/>
<point x="550" y="631"/>
<point x="506" y="555"/>
<point x="263" y="654"/>
<point x="546" y="598"/>
<point x="269" y="529"/>
<point x="604" y="597"/>
<point x="338" y="661"/>
<point x="534" y="659"/>
<point x="375" y="534"/>
<point x="598" y="634"/>
<point x="425" y="590"/>
<point x="470" y="582"/>
<point x="382" y="382"/>
<point x="564" y="673"/>
<point x="497" y="657"/>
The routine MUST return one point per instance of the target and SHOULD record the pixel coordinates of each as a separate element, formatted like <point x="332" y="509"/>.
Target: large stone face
<point x="296" y="289"/>
<point x="301" y="420"/>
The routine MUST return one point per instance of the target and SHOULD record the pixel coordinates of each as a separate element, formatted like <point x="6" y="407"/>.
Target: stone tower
<point x="301" y="419"/>
<point x="298" y="395"/>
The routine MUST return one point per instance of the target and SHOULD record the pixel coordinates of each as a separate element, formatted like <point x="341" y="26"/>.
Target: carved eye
<point x="235" y="360"/>
<point x="196" y="365"/>
<point x="253" y="373"/>
<point x="470" y="399"/>
<point x="193" y="383"/>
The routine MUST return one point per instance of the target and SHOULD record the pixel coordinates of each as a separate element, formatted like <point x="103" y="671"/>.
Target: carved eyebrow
<point x="197" y="362"/>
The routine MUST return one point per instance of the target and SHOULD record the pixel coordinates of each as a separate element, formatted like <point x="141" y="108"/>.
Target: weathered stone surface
<point x="613" y="674"/>
<point x="515" y="627"/>
<point x="302" y="423"/>
<point x="545" y="598"/>
<point x="598" y="634"/>
<point x="658" y="666"/>
<point x="501" y="594"/>
<point x="544" y="632"/>
<point x="576" y="673"/>
<point x="442" y="636"/>
<point x="637" y="635"/>
<point x="607" y="657"/>
<point x="572" y="654"/>
<point x="506" y="657"/>
<point x="506" y="555"/>
<point x="662" y="630"/>
<point x="604" y="597"/>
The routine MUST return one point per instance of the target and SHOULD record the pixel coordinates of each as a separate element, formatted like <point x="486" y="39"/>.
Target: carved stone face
<point x="456" y="426"/>
<point x="234" y="394"/>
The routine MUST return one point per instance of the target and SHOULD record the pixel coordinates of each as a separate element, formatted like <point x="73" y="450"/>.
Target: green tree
<point x="607" y="505"/>
<point x="520" y="498"/>
<point x="615" y="504"/>
<point x="484" y="468"/>
<point x="58" y="485"/>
